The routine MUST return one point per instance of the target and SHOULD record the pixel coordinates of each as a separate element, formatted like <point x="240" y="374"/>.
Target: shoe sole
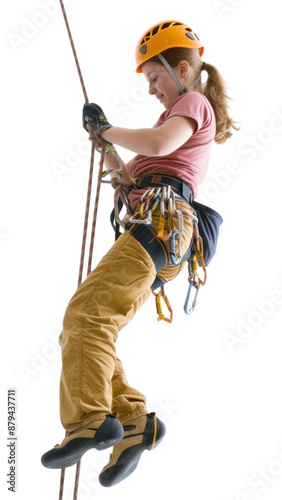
<point x="129" y="458"/>
<point x="108" y="434"/>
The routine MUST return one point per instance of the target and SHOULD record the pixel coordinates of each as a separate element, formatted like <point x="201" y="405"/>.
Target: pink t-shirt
<point x="189" y="162"/>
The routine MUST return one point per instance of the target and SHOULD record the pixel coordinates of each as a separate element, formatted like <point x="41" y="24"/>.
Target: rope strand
<point x="76" y="483"/>
<point x="74" y="53"/>
<point x="85" y="228"/>
<point x="62" y="481"/>
<point x="98" y="189"/>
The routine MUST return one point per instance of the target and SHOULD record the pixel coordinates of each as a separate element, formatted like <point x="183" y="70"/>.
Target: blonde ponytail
<point x="215" y="91"/>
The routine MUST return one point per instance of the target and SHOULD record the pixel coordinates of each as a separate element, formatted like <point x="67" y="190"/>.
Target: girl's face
<point x="161" y="84"/>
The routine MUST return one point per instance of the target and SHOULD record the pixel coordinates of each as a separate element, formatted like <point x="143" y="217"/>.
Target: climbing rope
<point x="85" y="227"/>
<point x="74" y="53"/>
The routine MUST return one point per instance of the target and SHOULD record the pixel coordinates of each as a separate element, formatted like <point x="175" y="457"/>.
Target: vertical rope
<point x="96" y="208"/>
<point x="85" y="228"/>
<point x="76" y="482"/>
<point x="85" y="224"/>
<point x="74" y="53"/>
<point x="62" y="481"/>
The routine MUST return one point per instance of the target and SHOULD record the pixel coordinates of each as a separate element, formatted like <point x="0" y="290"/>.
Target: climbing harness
<point x="161" y="190"/>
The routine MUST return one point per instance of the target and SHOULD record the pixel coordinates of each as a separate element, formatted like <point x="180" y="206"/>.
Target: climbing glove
<point x="94" y="114"/>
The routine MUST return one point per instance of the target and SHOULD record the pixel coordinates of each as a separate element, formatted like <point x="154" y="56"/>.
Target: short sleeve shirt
<point x="190" y="161"/>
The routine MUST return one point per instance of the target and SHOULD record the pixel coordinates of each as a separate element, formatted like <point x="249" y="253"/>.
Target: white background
<point x="214" y="377"/>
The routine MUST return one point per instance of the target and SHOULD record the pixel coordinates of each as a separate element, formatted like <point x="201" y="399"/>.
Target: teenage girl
<point x="98" y="407"/>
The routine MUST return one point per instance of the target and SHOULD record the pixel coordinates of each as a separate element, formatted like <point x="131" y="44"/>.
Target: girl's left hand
<point x="94" y="137"/>
<point x="94" y="114"/>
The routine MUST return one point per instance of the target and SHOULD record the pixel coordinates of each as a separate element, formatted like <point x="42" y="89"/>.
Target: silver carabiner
<point x="194" y="303"/>
<point x="147" y="221"/>
<point x="162" y="202"/>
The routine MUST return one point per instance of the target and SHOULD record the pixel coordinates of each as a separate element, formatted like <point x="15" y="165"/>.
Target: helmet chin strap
<point x="183" y="90"/>
<point x="171" y="72"/>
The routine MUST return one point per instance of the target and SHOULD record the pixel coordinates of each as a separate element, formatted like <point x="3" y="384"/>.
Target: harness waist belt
<point x="180" y="187"/>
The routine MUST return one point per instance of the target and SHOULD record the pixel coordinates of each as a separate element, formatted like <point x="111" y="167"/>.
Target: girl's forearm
<point x="141" y="141"/>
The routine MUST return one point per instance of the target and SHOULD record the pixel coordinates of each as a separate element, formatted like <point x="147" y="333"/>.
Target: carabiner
<point x="134" y="219"/>
<point x="144" y="203"/>
<point x="174" y="261"/>
<point x="194" y="303"/>
<point x="162" y="230"/>
<point x="161" y="316"/>
<point x="164" y="200"/>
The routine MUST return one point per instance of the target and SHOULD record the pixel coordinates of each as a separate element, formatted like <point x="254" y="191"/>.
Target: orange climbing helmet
<point x="163" y="36"/>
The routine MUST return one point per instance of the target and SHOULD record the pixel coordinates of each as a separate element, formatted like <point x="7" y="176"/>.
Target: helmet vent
<point x="145" y="39"/>
<point x="165" y="25"/>
<point x="190" y="36"/>
<point x="143" y="49"/>
<point x="157" y="28"/>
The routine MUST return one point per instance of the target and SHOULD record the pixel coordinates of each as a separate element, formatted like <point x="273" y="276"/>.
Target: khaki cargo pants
<point x="93" y="382"/>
